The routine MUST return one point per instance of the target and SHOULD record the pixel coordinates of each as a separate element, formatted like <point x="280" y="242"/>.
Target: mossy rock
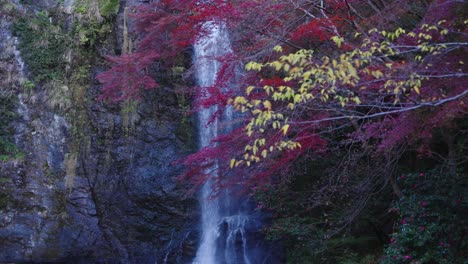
<point x="109" y="8"/>
<point x="4" y="201"/>
<point x="42" y="45"/>
<point x="7" y="109"/>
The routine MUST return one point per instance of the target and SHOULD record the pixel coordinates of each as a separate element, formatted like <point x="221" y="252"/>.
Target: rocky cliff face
<point x="88" y="182"/>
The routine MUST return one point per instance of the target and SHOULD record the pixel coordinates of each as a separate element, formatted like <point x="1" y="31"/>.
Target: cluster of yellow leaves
<point x="332" y="80"/>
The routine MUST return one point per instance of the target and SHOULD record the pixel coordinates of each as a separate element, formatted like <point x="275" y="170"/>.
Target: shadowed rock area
<point x="90" y="182"/>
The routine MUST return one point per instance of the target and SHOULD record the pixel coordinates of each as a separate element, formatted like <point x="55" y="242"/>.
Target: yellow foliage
<point x="334" y="80"/>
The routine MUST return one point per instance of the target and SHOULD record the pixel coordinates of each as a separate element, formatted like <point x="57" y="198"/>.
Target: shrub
<point x="42" y="45"/>
<point x="430" y="226"/>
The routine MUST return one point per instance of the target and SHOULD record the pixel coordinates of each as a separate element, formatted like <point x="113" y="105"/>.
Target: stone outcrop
<point x="93" y="188"/>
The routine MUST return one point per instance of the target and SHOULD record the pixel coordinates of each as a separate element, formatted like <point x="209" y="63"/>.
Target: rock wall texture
<point x="92" y="183"/>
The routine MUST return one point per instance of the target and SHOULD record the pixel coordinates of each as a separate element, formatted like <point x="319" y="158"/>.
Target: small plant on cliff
<point x="42" y="45"/>
<point x="8" y="149"/>
<point x="109" y="8"/>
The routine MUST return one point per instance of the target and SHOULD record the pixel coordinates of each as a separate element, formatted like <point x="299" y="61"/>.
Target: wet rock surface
<point x="113" y="201"/>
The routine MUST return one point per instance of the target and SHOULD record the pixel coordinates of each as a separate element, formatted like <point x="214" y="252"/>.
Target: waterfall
<point x="230" y="227"/>
<point x="215" y="43"/>
<point x="224" y="238"/>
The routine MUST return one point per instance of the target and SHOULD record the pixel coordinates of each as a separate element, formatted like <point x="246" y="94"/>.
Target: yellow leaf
<point x="249" y="89"/>
<point x="233" y="162"/>
<point x="416" y="89"/>
<point x="357" y="62"/>
<point x="338" y="40"/>
<point x="267" y="104"/>
<point x="277" y="65"/>
<point x="297" y="98"/>
<point x="275" y="124"/>
<point x="248" y="66"/>
<point x="278" y="48"/>
<point x="254" y="150"/>
<point x="285" y="129"/>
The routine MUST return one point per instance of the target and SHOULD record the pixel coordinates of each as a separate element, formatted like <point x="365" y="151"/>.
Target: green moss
<point x="6" y="7"/>
<point x="184" y="129"/>
<point x="109" y="8"/>
<point x="42" y="45"/>
<point x="8" y="150"/>
<point x="4" y="200"/>
<point x="7" y="108"/>
<point x="87" y="34"/>
<point x="82" y="6"/>
<point x="81" y="74"/>
<point x="28" y="85"/>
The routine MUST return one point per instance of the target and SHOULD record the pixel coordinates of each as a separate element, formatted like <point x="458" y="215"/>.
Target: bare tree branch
<point x="405" y="109"/>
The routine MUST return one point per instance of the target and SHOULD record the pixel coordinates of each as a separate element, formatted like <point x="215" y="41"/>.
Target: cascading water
<point x="213" y="44"/>
<point x="230" y="230"/>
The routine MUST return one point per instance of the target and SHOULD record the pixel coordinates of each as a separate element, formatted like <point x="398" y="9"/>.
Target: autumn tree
<point x="362" y="86"/>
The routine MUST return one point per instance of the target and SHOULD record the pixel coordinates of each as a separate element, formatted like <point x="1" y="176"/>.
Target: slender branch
<point x="440" y="102"/>
<point x="445" y="75"/>
<point x="432" y="45"/>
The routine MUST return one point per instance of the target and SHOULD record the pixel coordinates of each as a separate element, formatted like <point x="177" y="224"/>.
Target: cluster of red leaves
<point x="317" y="30"/>
<point x="128" y="76"/>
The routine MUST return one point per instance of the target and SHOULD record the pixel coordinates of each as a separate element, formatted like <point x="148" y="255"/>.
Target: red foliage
<point x="169" y="27"/>
<point x="128" y="76"/>
<point x="316" y="30"/>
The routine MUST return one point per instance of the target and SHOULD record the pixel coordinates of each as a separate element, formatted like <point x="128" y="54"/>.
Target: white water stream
<point x="224" y="234"/>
